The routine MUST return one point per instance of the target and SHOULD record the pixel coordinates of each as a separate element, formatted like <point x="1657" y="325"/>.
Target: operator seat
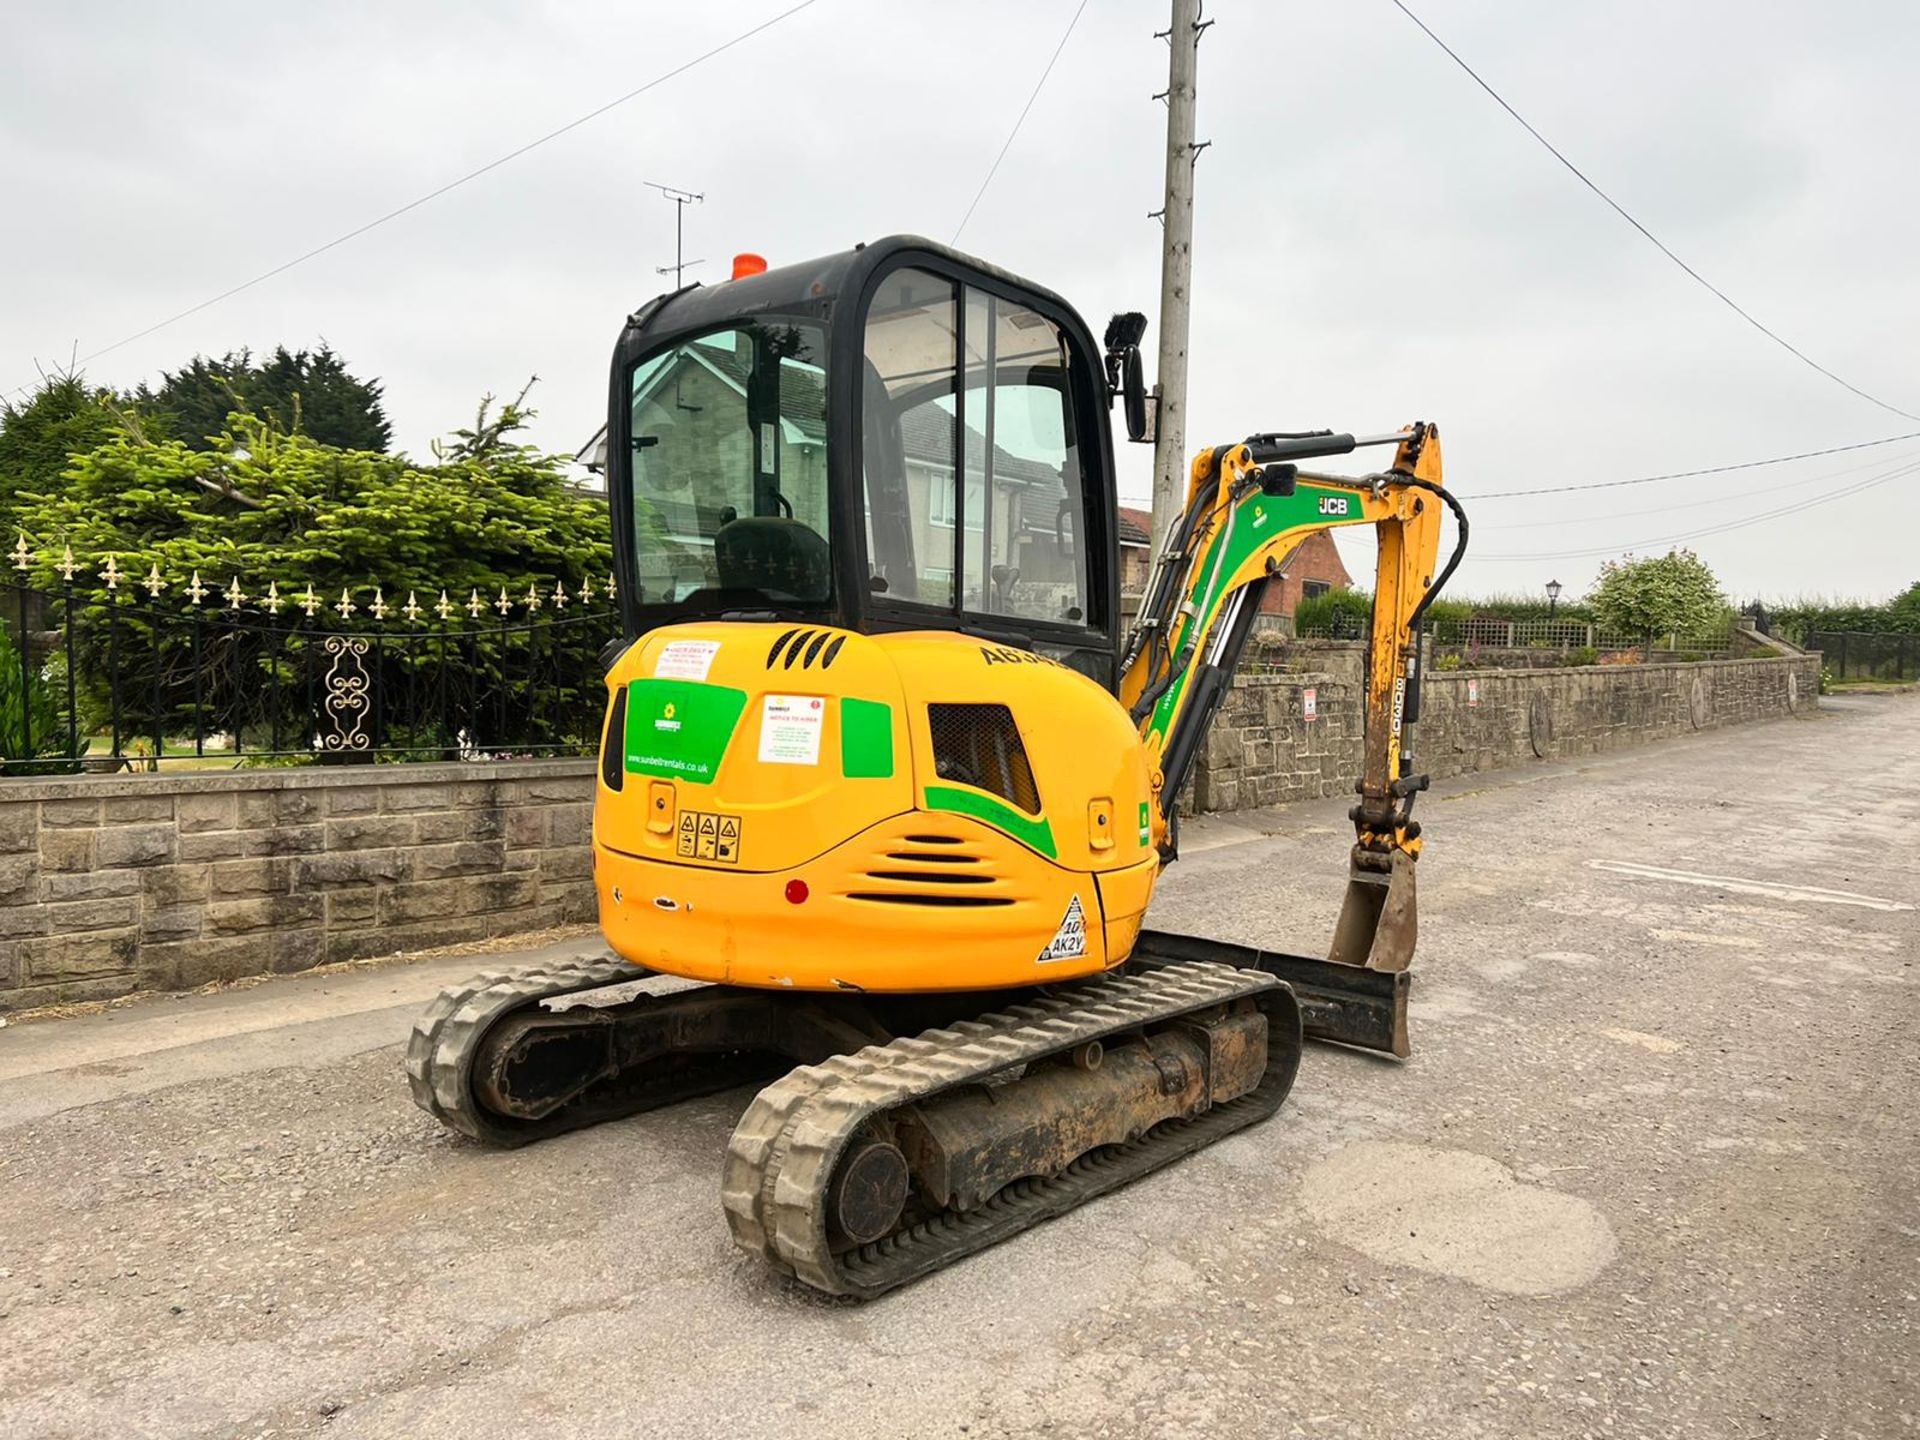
<point x="774" y="555"/>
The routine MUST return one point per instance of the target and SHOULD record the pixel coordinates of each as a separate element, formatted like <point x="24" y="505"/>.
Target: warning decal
<point x="790" y="727"/>
<point x="1070" y="940"/>
<point x="705" y="835"/>
<point x="686" y="660"/>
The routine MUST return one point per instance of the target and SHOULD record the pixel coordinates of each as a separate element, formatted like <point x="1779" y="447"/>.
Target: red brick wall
<point x="1316" y="559"/>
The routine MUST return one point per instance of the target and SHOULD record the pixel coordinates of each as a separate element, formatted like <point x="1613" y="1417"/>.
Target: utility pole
<point x="1176" y="271"/>
<point x="681" y="199"/>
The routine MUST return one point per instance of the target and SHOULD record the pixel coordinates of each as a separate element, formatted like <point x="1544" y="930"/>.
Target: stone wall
<point x="115" y="883"/>
<point x="110" y="884"/>
<point x="1263" y="751"/>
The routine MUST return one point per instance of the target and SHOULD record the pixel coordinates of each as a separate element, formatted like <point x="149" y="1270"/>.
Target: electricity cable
<point x="994" y="168"/>
<point x="1856" y="487"/>
<point x="1722" y="500"/>
<point x="1705" y="470"/>
<point x="451" y="185"/>
<point x="1655" y="240"/>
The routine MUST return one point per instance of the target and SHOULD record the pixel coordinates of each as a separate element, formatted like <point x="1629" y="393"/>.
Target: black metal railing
<point x="1865" y="655"/>
<point x="93" y="679"/>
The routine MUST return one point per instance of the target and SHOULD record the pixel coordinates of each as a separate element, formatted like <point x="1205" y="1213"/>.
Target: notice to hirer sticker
<point x="790" y="727"/>
<point x="686" y="660"/>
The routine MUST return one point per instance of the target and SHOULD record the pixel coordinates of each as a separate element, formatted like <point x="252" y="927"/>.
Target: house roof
<point x="1136" y="526"/>
<point x="926" y="432"/>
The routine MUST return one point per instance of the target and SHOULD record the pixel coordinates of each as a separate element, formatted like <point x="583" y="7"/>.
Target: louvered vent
<point x="979" y="745"/>
<point x="803" y="647"/>
<point x="931" y="870"/>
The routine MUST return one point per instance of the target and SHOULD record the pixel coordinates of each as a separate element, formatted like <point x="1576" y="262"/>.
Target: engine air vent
<point x="930" y="877"/>
<point x="979" y="745"/>
<point x="804" y="646"/>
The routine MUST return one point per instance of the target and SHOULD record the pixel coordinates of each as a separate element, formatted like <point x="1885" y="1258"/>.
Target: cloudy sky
<point x="1376" y="241"/>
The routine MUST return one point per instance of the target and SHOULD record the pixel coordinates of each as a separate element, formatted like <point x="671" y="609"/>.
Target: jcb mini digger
<point x="884" y="789"/>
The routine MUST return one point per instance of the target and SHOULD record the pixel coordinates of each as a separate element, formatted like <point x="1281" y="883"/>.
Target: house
<point x="701" y="396"/>
<point x="1313" y="569"/>
<point x="703" y="391"/>
<point x="1136" y="545"/>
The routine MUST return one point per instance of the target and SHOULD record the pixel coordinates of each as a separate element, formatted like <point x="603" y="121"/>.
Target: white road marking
<point x="1659" y="1044"/>
<point x="1696" y="937"/>
<point x="1803" y="894"/>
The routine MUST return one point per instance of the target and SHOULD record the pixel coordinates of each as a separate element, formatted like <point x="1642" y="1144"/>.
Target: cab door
<point x="987" y="487"/>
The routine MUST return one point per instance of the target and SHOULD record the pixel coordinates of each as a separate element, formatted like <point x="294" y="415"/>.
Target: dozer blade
<point x="873" y="1169"/>
<point x="1346" y="1004"/>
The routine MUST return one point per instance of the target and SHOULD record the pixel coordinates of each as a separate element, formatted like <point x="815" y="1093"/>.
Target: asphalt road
<point x="1652" y="1172"/>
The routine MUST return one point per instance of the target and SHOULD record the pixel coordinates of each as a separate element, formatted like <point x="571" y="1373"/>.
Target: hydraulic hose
<point x="1453" y="561"/>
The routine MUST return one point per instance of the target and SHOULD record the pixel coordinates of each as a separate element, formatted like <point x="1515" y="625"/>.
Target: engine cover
<point x="809" y="807"/>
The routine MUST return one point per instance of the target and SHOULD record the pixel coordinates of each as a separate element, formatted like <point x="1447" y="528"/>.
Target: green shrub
<point x="1800" y="617"/>
<point x="1343" y="612"/>
<point x="1675" y="593"/>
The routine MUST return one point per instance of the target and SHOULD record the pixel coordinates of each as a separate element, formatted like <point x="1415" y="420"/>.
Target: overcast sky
<point x="1376" y="241"/>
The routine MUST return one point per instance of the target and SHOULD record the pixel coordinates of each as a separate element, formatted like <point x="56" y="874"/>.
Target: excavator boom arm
<point x="1248" y="510"/>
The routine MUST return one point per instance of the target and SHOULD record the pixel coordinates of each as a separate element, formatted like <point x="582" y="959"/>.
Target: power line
<point x="1690" y="474"/>
<point x="993" y="169"/>
<point x="1580" y="175"/>
<point x="1799" y="484"/>
<point x="451" y="185"/>
<point x="1897" y="472"/>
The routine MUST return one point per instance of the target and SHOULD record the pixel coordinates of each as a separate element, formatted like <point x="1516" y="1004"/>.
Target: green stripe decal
<point x="866" y="739"/>
<point x="1030" y="831"/>
<point x="679" y="729"/>
<point x="1261" y="520"/>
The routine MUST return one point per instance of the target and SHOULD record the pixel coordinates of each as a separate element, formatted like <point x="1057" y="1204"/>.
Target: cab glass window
<point x="962" y="375"/>
<point x="911" y="360"/>
<point x="1024" y="488"/>
<point x="729" y="435"/>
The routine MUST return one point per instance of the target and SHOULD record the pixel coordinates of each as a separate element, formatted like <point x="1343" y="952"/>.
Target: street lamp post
<point x="1553" y="597"/>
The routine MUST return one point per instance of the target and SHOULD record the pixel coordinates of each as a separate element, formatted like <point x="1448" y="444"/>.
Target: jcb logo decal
<point x="1334" y="504"/>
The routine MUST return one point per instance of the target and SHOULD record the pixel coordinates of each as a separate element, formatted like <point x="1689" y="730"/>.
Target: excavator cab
<point x="894" y="438"/>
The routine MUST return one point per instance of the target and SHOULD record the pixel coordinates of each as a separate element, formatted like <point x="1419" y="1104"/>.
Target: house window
<point x="1314" y="589"/>
<point x="940" y="503"/>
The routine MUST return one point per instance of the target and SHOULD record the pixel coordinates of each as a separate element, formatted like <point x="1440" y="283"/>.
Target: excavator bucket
<point x="1379" y="921"/>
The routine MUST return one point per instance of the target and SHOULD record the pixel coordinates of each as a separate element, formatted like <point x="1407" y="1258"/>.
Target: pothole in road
<point x="1455" y="1213"/>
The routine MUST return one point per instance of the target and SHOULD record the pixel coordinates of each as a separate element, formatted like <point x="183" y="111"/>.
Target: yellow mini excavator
<point x="885" y="785"/>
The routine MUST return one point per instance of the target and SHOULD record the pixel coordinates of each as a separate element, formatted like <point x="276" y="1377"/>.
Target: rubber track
<point x="446" y="1038"/>
<point x="784" y="1150"/>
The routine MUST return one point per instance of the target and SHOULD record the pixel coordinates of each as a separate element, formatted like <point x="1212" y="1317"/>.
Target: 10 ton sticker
<point x="1070" y="940"/>
<point x="708" y="835"/>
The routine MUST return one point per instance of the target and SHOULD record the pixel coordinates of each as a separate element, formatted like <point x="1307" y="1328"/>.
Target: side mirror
<point x="1133" y="395"/>
<point x="1124" y="375"/>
